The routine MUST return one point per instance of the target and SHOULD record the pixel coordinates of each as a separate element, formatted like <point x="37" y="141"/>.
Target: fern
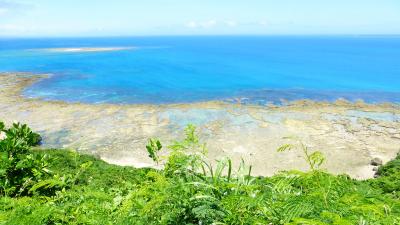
<point x="314" y="159"/>
<point x="153" y="147"/>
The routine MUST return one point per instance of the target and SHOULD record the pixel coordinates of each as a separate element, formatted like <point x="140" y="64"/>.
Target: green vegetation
<point x="389" y="180"/>
<point x="64" y="187"/>
<point x="19" y="170"/>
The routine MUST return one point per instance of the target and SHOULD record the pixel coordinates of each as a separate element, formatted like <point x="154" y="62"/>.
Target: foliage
<point x="389" y="177"/>
<point x="314" y="159"/>
<point x="23" y="173"/>
<point x="191" y="190"/>
<point x="153" y="147"/>
<point x="19" y="170"/>
<point x="23" y="133"/>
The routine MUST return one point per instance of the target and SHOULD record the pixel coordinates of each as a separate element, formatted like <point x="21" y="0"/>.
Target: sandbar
<point x="88" y="49"/>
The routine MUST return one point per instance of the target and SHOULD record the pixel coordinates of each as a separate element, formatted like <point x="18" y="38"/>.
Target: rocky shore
<point x="349" y="134"/>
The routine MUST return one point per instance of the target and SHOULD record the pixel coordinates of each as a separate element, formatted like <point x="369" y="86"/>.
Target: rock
<point x="376" y="176"/>
<point x="376" y="162"/>
<point x="375" y="169"/>
<point x="3" y="135"/>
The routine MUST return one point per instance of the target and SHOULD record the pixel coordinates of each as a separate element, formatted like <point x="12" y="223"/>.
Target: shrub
<point x="19" y="170"/>
<point x="389" y="177"/>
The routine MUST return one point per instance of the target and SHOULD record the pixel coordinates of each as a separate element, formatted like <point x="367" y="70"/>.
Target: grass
<point x="190" y="191"/>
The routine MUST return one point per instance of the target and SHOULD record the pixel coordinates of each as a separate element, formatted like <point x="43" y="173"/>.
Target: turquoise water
<point x="191" y="69"/>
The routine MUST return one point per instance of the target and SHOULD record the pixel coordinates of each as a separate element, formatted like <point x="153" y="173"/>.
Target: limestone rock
<point x="376" y="162"/>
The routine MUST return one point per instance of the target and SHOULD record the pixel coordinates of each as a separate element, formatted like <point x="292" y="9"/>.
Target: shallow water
<point x="190" y="69"/>
<point x="349" y="135"/>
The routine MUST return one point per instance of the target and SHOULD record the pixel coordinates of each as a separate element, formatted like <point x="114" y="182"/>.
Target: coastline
<point x="349" y="134"/>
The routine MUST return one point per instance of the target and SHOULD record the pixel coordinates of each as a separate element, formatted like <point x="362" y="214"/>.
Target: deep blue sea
<point x="190" y="69"/>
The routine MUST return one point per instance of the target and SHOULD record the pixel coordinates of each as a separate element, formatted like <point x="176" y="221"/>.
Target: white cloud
<point x="224" y="24"/>
<point x="11" y="7"/>
<point x="192" y="24"/>
<point x="263" y="23"/>
<point x="208" y="24"/>
<point x="201" y="24"/>
<point x="231" y="23"/>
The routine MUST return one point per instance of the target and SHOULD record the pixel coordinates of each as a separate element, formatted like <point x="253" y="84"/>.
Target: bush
<point x="23" y="133"/>
<point x="389" y="177"/>
<point x="19" y="170"/>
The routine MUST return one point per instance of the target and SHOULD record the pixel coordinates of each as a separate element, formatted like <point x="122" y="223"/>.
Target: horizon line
<point x="197" y="35"/>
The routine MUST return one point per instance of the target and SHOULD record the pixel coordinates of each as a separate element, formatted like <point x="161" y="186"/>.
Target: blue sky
<point x="27" y="18"/>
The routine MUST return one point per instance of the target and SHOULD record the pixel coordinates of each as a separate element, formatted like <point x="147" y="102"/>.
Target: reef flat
<point x="349" y="134"/>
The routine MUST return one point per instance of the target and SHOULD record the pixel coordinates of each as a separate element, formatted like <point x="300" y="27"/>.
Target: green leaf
<point x="285" y="147"/>
<point x="153" y="147"/>
<point x="2" y="126"/>
<point x="317" y="159"/>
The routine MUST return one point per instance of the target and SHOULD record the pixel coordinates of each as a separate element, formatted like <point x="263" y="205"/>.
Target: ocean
<point x="250" y="69"/>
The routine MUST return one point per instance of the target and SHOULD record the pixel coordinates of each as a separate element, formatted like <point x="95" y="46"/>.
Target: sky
<point x="65" y="18"/>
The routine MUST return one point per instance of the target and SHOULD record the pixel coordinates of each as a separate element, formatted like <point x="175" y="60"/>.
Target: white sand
<point x="88" y="49"/>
